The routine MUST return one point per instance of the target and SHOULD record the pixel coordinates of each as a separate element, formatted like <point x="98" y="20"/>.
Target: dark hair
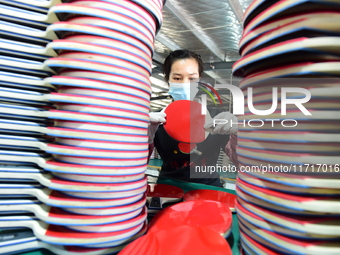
<point x="181" y="54"/>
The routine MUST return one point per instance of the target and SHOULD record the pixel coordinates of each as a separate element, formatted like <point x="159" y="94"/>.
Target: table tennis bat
<point x="302" y="180"/>
<point x="106" y="194"/>
<point x="75" y="96"/>
<point x="22" y="81"/>
<point x="214" y="195"/>
<point x="5" y="145"/>
<point x="290" y="157"/>
<point x="288" y="188"/>
<point x="77" y="8"/>
<point x="20" y="32"/>
<point x="57" y="216"/>
<point x="303" y="126"/>
<point x="107" y="11"/>
<point x="105" y="128"/>
<point x="287" y="244"/>
<point x="123" y="167"/>
<point x="68" y="45"/>
<point x="116" y="162"/>
<point x="188" y="239"/>
<point x="308" y="49"/>
<point x="320" y="227"/>
<point x="97" y="195"/>
<point x="56" y="183"/>
<point x="85" y="228"/>
<point x="129" y="27"/>
<point x="113" y="227"/>
<point x="152" y="8"/>
<point x="76" y="130"/>
<point x="254" y="8"/>
<point x="26" y="50"/>
<point x="112" y="61"/>
<point x="318" y="114"/>
<point x="128" y="110"/>
<point x="23" y="96"/>
<point x="253" y="248"/>
<point x="287" y="8"/>
<point x="120" y="94"/>
<point x="25" y="65"/>
<point x="36" y="4"/>
<point x="260" y="102"/>
<point x="19" y="112"/>
<point x="25" y="86"/>
<point x="37" y="173"/>
<point x="160" y="194"/>
<point x="308" y="23"/>
<point x="326" y="148"/>
<point x="9" y="111"/>
<point x="262" y="223"/>
<point x="101" y="144"/>
<point x="96" y="191"/>
<point x="275" y="207"/>
<point x="100" y="80"/>
<point x="194" y="213"/>
<point x="61" y="28"/>
<point x="130" y="9"/>
<point x="328" y="68"/>
<point x="87" y="65"/>
<point x="77" y="151"/>
<point x="322" y="204"/>
<point x="324" y="87"/>
<point x="103" y="43"/>
<point x="185" y="123"/>
<point x="28" y="17"/>
<point x="58" y="199"/>
<point x="63" y="236"/>
<point x="26" y="241"/>
<point x="289" y="136"/>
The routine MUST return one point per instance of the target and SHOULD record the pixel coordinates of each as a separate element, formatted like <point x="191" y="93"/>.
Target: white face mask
<point x="183" y="91"/>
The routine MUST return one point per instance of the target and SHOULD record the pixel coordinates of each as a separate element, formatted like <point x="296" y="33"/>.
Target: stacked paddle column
<point x="96" y="61"/>
<point x="288" y="187"/>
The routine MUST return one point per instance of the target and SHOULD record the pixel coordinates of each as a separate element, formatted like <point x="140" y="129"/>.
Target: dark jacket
<point x="193" y="167"/>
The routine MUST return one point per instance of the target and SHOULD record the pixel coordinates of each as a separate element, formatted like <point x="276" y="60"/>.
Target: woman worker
<point x="180" y="68"/>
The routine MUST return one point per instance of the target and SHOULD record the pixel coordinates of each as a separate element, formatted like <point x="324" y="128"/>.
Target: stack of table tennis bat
<point x="74" y="99"/>
<point x="295" y="208"/>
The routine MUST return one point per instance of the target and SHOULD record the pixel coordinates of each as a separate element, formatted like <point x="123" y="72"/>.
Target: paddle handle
<point x="43" y="179"/>
<point x="18" y="241"/>
<point x="19" y="142"/>
<point x="37" y="98"/>
<point x="17" y="158"/>
<point x="40" y="210"/>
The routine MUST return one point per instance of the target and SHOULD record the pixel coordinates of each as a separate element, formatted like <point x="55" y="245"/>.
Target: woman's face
<point x="184" y="71"/>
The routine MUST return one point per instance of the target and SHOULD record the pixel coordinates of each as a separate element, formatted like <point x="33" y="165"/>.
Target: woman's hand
<point x="223" y="123"/>
<point x="156" y="118"/>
